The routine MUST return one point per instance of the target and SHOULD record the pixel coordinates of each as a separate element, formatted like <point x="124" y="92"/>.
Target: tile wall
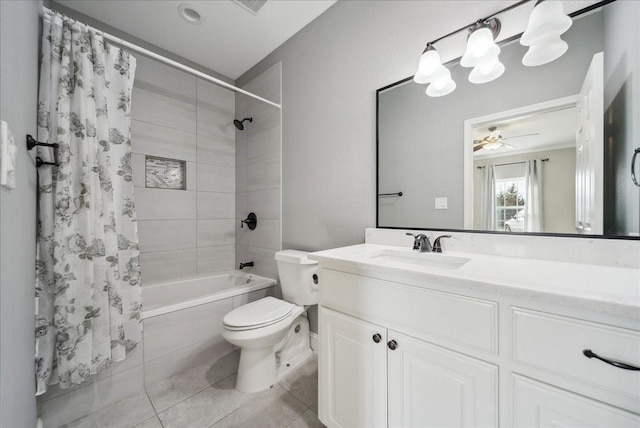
<point x="175" y="115"/>
<point x="259" y="174"/>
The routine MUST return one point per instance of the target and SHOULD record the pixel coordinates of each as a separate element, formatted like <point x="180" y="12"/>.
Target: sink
<point x="434" y="260"/>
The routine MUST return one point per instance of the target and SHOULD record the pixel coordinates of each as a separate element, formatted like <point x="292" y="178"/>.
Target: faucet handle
<point x="437" y="246"/>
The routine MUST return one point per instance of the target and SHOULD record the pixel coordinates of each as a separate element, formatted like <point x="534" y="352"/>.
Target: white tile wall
<point x="192" y="232"/>
<point x="164" y="79"/>
<point x="215" y="259"/>
<point x="163" y="204"/>
<point x="215" y="178"/>
<point x="165" y="235"/>
<point x="157" y="140"/>
<point x="216" y="205"/>
<point x="216" y="232"/>
<point x="217" y="150"/>
<point x="264" y="175"/>
<point x="258" y="175"/>
<point x="167" y="265"/>
<point x="161" y="110"/>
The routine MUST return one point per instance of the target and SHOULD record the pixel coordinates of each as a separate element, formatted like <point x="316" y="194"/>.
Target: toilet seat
<point x="258" y="314"/>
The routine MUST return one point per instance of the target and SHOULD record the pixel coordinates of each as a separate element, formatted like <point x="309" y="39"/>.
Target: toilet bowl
<point x="273" y="334"/>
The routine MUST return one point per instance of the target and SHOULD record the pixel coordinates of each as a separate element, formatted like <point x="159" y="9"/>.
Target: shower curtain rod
<point x="178" y="65"/>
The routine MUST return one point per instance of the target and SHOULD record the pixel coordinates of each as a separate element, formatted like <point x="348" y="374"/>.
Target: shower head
<point x="240" y="123"/>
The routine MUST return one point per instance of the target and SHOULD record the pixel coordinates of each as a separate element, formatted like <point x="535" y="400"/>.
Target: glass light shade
<point x="493" y="145"/>
<point x="486" y="71"/>
<point x="480" y="47"/>
<point x="430" y="67"/>
<point x="547" y="19"/>
<point x="545" y="53"/>
<point x="441" y="86"/>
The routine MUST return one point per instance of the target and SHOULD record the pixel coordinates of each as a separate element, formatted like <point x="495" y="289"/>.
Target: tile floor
<point x="204" y="397"/>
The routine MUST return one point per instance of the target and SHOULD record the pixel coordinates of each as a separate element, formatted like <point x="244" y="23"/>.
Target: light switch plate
<point x="441" y="203"/>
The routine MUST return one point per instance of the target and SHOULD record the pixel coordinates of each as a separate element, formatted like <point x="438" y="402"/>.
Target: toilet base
<point x="260" y="369"/>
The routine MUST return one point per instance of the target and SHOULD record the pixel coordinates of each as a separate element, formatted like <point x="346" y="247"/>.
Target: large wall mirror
<point x="545" y="150"/>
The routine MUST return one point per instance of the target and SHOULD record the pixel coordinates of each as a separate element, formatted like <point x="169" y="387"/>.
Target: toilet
<point x="273" y="334"/>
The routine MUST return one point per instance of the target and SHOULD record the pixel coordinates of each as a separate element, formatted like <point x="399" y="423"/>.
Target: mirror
<point x="543" y="150"/>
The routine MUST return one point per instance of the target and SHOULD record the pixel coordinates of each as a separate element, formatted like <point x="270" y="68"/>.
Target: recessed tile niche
<point x="163" y="173"/>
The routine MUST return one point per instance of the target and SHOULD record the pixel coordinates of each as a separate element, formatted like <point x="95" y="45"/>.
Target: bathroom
<point x="308" y="167"/>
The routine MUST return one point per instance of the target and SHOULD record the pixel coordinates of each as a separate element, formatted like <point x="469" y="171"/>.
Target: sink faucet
<point x="244" y="265"/>
<point x="437" y="246"/>
<point x="421" y="242"/>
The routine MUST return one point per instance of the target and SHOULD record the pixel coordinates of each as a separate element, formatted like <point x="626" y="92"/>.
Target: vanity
<point x="456" y="339"/>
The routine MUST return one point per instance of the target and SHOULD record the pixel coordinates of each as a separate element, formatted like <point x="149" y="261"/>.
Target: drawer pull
<point x="393" y="345"/>
<point x="590" y="354"/>
<point x="377" y="338"/>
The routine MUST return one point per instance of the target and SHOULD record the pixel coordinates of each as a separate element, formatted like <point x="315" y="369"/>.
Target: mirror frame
<point x="491" y="232"/>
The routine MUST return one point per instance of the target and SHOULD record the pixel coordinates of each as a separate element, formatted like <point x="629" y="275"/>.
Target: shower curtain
<point x="489" y="198"/>
<point x="88" y="295"/>
<point x="533" y="198"/>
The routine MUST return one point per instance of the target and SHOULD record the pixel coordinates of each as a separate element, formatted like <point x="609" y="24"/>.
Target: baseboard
<point x="313" y="338"/>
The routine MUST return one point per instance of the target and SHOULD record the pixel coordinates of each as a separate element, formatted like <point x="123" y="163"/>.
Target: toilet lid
<point x="260" y="313"/>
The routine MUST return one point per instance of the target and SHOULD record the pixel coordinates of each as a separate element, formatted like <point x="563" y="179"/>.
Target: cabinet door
<point x="352" y="372"/>
<point x="430" y="386"/>
<point x="537" y="405"/>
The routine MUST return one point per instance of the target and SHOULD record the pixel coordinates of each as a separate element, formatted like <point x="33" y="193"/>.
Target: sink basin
<point x="421" y="259"/>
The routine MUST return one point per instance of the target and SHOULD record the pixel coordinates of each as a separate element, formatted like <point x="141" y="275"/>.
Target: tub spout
<point x="244" y="265"/>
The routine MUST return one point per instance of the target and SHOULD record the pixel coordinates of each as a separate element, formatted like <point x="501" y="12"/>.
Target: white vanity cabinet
<point x="386" y="372"/>
<point x="437" y="351"/>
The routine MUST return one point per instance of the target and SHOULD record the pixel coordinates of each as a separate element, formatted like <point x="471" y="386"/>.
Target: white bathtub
<point x="173" y="296"/>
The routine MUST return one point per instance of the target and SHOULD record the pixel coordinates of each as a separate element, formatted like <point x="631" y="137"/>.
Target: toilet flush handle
<point x="315" y="280"/>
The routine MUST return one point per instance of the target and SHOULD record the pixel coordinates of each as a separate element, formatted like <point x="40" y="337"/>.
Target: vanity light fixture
<point x="547" y="23"/>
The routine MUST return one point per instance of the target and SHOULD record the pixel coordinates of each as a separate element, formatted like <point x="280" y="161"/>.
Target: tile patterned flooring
<point x="204" y="397"/>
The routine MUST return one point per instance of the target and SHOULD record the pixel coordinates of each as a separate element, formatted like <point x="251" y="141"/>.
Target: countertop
<point x="609" y="289"/>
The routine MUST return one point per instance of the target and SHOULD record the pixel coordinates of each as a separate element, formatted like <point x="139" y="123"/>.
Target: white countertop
<point x="610" y="289"/>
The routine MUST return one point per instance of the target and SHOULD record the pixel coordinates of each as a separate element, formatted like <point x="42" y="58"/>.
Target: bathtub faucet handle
<point x="244" y="265"/>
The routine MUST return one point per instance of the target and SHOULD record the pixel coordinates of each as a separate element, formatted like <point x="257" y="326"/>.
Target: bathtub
<point x="182" y="319"/>
<point x="159" y="299"/>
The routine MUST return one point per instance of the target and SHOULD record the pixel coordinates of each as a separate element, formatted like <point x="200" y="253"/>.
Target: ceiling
<point x="556" y="129"/>
<point x="229" y="39"/>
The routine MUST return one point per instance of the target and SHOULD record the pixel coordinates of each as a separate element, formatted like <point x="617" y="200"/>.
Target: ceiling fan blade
<point x="518" y="136"/>
<point x="476" y="148"/>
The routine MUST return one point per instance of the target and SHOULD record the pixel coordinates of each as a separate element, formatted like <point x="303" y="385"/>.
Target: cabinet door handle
<point x="392" y="344"/>
<point x="633" y="166"/>
<point x="377" y="338"/>
<point x="590" y="354"/>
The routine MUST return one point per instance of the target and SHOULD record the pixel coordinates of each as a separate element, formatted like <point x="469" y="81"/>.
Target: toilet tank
<point x="297" y="277"/>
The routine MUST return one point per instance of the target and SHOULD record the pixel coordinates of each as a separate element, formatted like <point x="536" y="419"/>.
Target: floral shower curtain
<point x="88" y="295"/>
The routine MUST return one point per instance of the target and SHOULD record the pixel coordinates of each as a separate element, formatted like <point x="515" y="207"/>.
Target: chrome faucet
<point x="437" y="246"/>
<point x="244" y="265"/>
<point x="421" y="242"/>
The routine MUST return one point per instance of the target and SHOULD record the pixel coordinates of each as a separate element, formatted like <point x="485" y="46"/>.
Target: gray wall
<point x="19" y="39"/>
<point x="330" y="71"/>
<point x="175" y="115"/>
<point x="421" y="138"/>
<point x="622" y="107"/>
